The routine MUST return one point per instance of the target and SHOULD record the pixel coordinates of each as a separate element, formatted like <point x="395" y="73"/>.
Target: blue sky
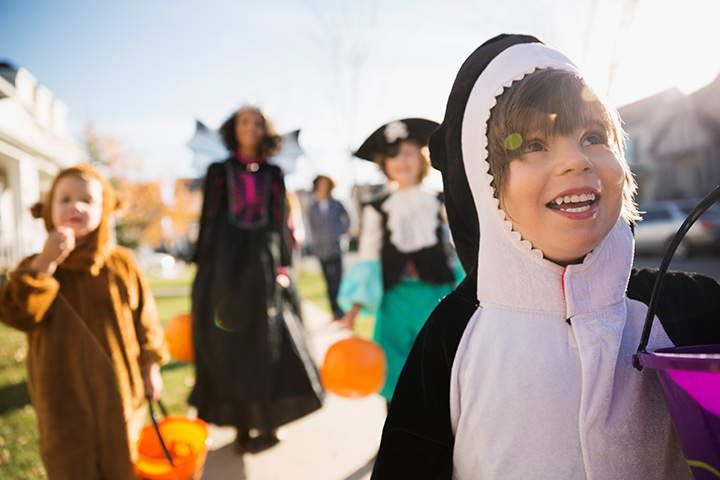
<point x="143" y="71"/>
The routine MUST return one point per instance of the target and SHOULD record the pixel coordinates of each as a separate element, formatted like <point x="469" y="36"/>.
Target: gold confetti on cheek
<point x="513" y="141"/>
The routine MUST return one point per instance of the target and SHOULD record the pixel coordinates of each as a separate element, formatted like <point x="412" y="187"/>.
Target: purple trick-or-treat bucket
<point x="689" y="376"/>
<point x="690" y="380"/>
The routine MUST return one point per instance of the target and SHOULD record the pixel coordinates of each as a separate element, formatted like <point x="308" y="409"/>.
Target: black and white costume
<point x="524" y="371"/>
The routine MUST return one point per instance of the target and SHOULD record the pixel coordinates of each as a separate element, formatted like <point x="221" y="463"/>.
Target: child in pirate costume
<point x="95" y="343"/>
<point x="524" y="371"/>
<point x="403" y="268"/>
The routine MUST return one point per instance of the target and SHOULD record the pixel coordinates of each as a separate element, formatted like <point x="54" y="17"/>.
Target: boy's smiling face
<point x="566" y="193"/>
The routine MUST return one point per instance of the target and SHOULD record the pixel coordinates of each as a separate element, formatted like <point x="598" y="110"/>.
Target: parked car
<point x="157" y="263"/>
<point x="661" y="220"/>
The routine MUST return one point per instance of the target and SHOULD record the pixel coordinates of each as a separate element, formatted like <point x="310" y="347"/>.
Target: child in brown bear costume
<point x="95" y="344"/>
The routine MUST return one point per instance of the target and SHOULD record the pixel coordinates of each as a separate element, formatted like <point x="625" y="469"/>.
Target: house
<point x="34" y="146"/>
<point x="674" y="143"/>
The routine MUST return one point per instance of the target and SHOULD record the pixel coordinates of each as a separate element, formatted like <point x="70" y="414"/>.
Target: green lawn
<point x="183" y="279"/>
<point x="311" y="286"/>
<point x="19" y="457"/>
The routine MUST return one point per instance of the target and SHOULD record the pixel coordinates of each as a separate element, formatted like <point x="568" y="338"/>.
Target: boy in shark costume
<point x="524" y="371"/>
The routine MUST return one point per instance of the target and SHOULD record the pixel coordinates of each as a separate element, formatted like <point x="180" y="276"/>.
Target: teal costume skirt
<point x="403" y="311"/>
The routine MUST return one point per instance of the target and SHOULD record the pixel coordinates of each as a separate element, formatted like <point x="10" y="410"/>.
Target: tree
<point x="105" y="155"/>
<point x="187" y="204"/>
<point x="185" y="215"/>
<point x="139" y="219"/>
<point x="342" y="30"/>
<point x="140" y="215"/>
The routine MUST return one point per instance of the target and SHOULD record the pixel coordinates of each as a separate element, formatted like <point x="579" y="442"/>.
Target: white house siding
<point x="34" y="146"/>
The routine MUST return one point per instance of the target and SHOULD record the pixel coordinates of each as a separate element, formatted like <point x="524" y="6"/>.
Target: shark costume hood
<point x="484" y="237"/>
<point x="567" y="333"/>
<point x="458" y="147"/>
<point x="447" y="153"/>
<point x="525" y="370"/>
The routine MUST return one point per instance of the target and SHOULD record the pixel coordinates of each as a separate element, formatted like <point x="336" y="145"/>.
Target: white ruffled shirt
<point x="412" y="222"/>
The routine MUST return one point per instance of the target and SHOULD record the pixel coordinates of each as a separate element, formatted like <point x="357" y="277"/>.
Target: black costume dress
<point x="253" y="367"/>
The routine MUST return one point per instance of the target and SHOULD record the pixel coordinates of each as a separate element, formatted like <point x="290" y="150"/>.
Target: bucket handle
<point x="157" y="427"/>
<point x="701" y="207"/>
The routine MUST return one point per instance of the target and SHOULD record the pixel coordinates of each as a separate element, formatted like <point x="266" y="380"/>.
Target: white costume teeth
<point x="585" y="197"/>
<point x="576" y="210"/>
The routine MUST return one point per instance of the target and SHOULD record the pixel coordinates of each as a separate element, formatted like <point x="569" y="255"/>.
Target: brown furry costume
<point x="90" y="326"/>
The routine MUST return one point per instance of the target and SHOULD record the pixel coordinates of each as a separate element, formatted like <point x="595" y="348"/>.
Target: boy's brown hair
<point x="320" y="178"/>
<point x="549" y="103"/>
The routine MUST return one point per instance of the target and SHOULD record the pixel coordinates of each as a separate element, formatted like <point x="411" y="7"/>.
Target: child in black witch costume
<point x="524" y="371"/>
<point x="253" y="368"/>
<point x="404" y="264"/>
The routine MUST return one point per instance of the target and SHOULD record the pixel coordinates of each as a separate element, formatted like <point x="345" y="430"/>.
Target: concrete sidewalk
<point x="338" y="442"/>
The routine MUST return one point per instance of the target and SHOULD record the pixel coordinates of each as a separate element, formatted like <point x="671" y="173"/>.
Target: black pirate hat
<point x="385" y="141"/>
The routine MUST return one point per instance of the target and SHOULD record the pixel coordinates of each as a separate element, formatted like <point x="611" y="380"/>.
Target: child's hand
<point x="59" y="244"/>
<point x="348" y="320"/>
<point x="283" y="277"/>
<point x="153" y="381"/>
